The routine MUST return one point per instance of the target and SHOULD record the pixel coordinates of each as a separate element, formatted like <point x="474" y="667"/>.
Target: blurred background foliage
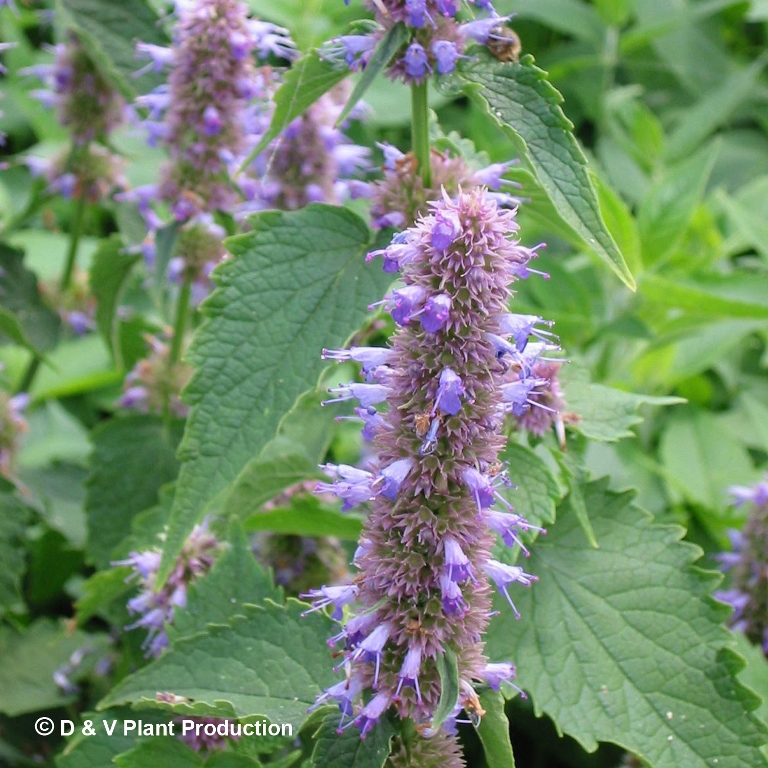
<point x="670" y="102"/>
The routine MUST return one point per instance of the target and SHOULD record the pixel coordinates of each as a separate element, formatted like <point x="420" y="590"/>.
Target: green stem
<point x="74" y="241"/>
<point x="179" y="327"/>
<point x="420" y="131"/>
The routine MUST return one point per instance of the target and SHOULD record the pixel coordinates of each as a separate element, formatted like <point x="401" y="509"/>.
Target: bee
<point x="421" y="423"/>
<point x="504" y="44"/>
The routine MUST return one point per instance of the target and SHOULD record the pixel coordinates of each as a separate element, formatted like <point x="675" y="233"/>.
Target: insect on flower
<point x="504" y="44"/>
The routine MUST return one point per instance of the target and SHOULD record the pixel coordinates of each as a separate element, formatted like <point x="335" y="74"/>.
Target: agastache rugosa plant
<point x="449" y="378"/>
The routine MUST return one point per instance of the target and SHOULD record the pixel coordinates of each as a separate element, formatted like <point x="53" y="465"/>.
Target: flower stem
<point x="179" y="327"/>
<point x="74" y="241"/>
<point x="420" y="130"/>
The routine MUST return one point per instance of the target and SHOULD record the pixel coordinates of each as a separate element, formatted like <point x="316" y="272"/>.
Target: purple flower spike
<point x="449" y="393"/>
<point x="424" y="555"/>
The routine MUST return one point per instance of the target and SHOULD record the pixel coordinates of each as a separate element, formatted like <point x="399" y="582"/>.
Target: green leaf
<point x="347" y="749"/>
<point x="101" y="590"/>
<point x="110" y="32"/>
<point x="10" y="327"/>
<point x="20" y="297"/>
<point x="30" y="658"/>
<point x="623" y="643"/>
<point x="527" y="108"/>
<point x="298" y="283"/>
<point x="132" y="457"/>
<point x="98" y="751"/>
<point x="711" y="111"/>
<point x="235" y="574"/>
<point x="730" y="296"/>
<point x="160" y="752"/>
<point x="703" y="459"/>
<point x="108" y="276"/>
<point x="448" y="669"/>
<point x="494" y="731"/>
<point x="264" y="478"/>
<point x="307" y="517"/>
<point x="304" y="83"/>
<point x="668" y="208"/>
<point x="270" y="662"/>
<point x="605" y="414"/>
<point x="14" y="517"/>
<point x="755" y="673"/>
<point x="536" y="490"/>
<point x="386" y="48"/>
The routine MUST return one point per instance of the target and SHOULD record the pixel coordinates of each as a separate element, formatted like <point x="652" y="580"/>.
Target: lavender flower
<point x="437" y="39"/>
<point x="85" y="101"/>
<point x="154" y="387"/>
<point x="157" y="607"/>
<point x="400" y="197"/>
<point x="424" y="555"/>
<point x="207" y="117"/>
<point x="546" y="400"/>
<point x="87" y="104"/>
<point x="312" y="161"/>
<point x="748" y="564"/>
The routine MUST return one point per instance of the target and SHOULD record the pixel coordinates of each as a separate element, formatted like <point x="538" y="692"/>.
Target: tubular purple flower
<point x="498" y="673"/>
<point x="367" y="394"/>
<point x="449" y="393"/>
<point x="393" y="477"/>
<point x="504" y="575"/>
<point x="436" y="312"/>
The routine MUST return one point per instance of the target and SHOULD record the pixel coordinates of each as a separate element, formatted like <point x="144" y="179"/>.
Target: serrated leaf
<point x="21" y="300"/>
<point x="494" y="731"/>
<point x="30" y="658"/>
<point x="160" y="752"/>
<point x="133" y="456"/>
<point x="110" y="32"/>
<point x="605" y="414"/>
<point x="448" y="669"/>
<point x="304" y="83"/>
<point x="668" y="208"/>
<point x="396" y="36"/>
<point x="234" y="580"/>
<point x="109" y="272"/>
<point x="536" y="490"/>
<point x="98" y="751"/>
<point x="298" y="283"/>
<point x="270" y="662"/>
<point x="347" y="749"/>
<point x="14" y="517"/>
<point x="623" y="644"/>
<point x="520" y="99"/>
